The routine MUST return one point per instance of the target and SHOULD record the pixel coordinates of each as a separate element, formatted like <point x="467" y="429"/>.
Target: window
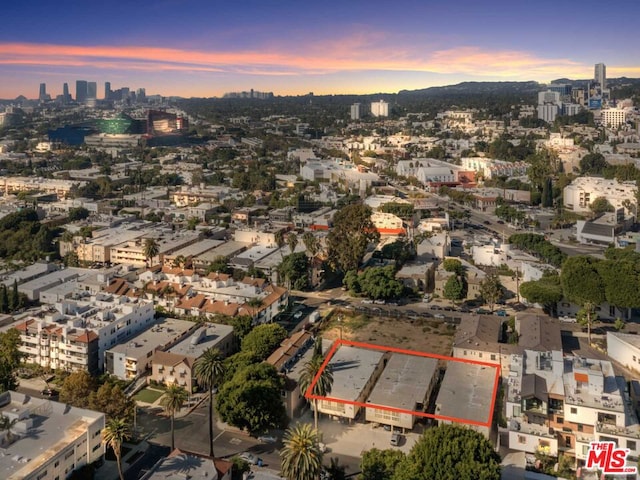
<point x="560" y="420"/>
<point x="517" y="410"/>
<point x="42" y="475"/>
<point x="574" y="410"/>
<point x="580" y="427"/>
<point x="493" y="356"/>
<point x="96" y="447"/>
<point x="69" y="454"/>
<point x="522" y="439"/>
<point x="631" y="445"/>
<point x="634" y="358"/>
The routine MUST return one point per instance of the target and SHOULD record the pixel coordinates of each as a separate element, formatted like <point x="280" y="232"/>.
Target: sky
<point x="204" y="48"/>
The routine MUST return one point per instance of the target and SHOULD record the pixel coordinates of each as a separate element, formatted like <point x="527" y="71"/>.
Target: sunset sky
<point x="208" y="47"/>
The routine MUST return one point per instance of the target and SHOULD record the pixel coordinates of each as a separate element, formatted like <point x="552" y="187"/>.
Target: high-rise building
<point x="92" y="90"/>
<point x="141" y="95"/>
<point x="81" y="91"/>
<point x="66" y="98"/>
<point x="107" y="90"/>
<point x="380" y="109"/>
<point x="355" y="111"/>
<point x="43" y="92"/>
<point x="600" y="75"/>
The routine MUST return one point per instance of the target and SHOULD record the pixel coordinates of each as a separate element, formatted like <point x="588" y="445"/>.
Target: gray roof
<point x="534" y="386"/>
<point x="202" y="339"/>
<point x="352" y="368"/>
<point x="466" y="392"/>
<point x="404" y="382"/>
<point x="591" y="228"/>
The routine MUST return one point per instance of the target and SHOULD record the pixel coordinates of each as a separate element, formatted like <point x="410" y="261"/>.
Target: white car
<point x="250" y="458"/>
<point x="568" y="319"/>
<point x="267" y="439"/>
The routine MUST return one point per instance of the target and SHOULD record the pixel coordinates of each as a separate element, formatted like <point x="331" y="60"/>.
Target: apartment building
<point x="129" y="359"/>
<point x="490" y="168"/>
<point x="405" y="384"/>
<point x="355" y="372"/>
<point x="60" y="188"/>
<point x="75" y="333"/>
<point x="49" y="440"/>
<point x="613" y="117"/>
<point x="580" y="193"/>
<point x="560" y="404"/>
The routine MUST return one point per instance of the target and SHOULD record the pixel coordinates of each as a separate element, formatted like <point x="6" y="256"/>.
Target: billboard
<point x="595" y="103"/>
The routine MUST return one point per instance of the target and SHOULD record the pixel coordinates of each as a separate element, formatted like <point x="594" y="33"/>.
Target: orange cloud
<point x="359" y="52"/>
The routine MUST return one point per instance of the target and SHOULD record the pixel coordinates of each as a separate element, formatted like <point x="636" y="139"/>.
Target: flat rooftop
<point x="404" y="382"/>
<point x="352" y="368"/>
<point x="466" y="392"/>
<point x="55" y="426"/>
<point x="202" y="339"/>
<point x="161" y="334"/>
<point x="225" y="250"/>
<point x="198" y="248"/>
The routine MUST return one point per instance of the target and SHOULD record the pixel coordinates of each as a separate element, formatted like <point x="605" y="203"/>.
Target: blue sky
<point x="205" y="48"/>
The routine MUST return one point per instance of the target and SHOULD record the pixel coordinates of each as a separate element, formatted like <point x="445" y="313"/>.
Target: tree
<point x="455" y="289"/>
<point x="336" y="471"/>
<point x="301" y="454"/>
<point x="4" y="299"/>
<point x="380" y="464"/>
<point x="252" y="399"/>
<point x="208" y="370"/>
<point x="376" y="282"/>
<point x="450" y="452"/>
<point x="583" y="285"/>
<point x="6" y="425"/>
<point x="310" y="243"/>
<point x="292" y="241"/>
<point x="321" y="388"/>
<point x="174" y="398"/>
<point x="14" y="297"/>
<point x="491" y="289"/>
<point x="593" y="164"/>
<point x="151" y="249"/>
<point x="264" y="339"/>
<point x="600" y="205"/>
<point x="547" y="291"/>
<point x="453" y="265"/>
<point x="352" y="232"/>
<point x="619" y="324"/>
<point x="111" y="400"/>
<point x="78" y="213"/>
<point x="294" y="270"/>
<point x="115" y="433"/>
<point x="77" y="388"/>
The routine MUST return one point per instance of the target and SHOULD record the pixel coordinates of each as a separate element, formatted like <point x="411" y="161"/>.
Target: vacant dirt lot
<point x="423" y="335"/>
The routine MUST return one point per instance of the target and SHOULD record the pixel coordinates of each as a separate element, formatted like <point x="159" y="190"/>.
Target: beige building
<point x="60" y="188"/>
<point x="49" y="440"/>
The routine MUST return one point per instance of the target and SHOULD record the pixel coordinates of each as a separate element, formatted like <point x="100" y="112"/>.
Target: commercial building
<point x="405" y="383"/>
<point x="60" y="188"/>
<point x="355" y="372"/>
<point x="600" y="75"/>
<point x="380" y="109"/>
<point x="613" y="117"/>
<point x="49" y="440"/>
<point x="129" y="359"/>
<point x="582" y="191"/>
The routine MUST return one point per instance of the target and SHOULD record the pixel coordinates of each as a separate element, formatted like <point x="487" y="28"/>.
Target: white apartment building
<point x="561" y="404"/>
<point x="548" y="112"/>
<point x="49" y="439"/>
<point x="624" y="348"/>
<point x="490" y="168"/>
<point x="579" y="195"/>
<point x="355" y="111"/>
<point x="75" y="333"/>
<point x="613" y="117"/>
<point x="380" y="109"/>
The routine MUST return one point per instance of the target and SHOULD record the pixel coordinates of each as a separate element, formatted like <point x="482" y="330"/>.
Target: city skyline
<point x="194" y="48"/>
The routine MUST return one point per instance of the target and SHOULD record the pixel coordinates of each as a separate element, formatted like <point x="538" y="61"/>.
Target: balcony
<point x="29" y="339"/>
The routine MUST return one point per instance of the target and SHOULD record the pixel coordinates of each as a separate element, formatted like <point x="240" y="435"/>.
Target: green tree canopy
<point x="450" y="452"/>
<point x="547" y="291"/>
<point x="294" y="270"/>
<point x="375" y="282"/>
<point x="301" y="454"/>
<point x="453" y="265"/>
<point x="380" y="464"/>
<point x="592" y="164"/>
<point x="455" y="289"/>
<point x="351" y="234"/>
<point x="601" y="205"/>
<point x="491" y="289"/>
<point x="264" y="339"/>
<point x="77" y="388"/>
<point x="252" y="399"/>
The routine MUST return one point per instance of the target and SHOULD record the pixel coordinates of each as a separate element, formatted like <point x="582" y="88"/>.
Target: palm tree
<point x="310" y="243"/>
<point x="114" y="434"/>
<point x="151" y="249"/>
<point x="174" y="398"/>
<point x="292" y="241"/>
<point x="321" y="388"/>
<point x="208" y="369"/>
<point x="280" y="242"/>
<point x="301" y="454"/>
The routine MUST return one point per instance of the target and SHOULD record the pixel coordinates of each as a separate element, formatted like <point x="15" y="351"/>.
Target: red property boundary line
<point x="309" y="395"/>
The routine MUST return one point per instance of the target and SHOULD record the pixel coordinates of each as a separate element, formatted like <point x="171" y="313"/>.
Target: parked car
<point x="500" y="222"/>
<point x="568" y="319"/>
<point x="482" y="311"/>
<point x="366" y="300"/>
<point x="379" y="302"/>
<point x="395" y="439"/>
<point x="501" y="313"/>
<point x="487" y="222"/>
<point x="267" y="439"/>
<point x="250" y="458"/>
<point x="297" y="315"/>
<point x="51" y="393"/>
<point x="439" y="316"/>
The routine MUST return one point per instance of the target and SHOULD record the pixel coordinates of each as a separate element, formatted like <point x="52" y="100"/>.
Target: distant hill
<point x="477" y="88"/>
